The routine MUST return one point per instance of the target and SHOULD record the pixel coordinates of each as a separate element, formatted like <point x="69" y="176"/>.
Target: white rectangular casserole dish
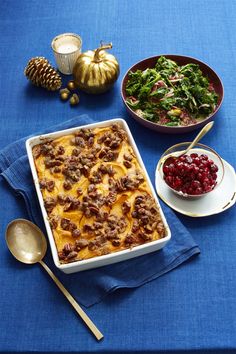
<point x="104" y="259"/>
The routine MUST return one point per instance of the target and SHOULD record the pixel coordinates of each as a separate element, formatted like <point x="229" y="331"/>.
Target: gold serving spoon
<point x="176" y="154"/>
<point x="28" y="245"/>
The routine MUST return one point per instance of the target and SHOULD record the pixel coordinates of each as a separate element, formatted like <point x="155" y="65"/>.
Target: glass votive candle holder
<point x="66" y="48"/>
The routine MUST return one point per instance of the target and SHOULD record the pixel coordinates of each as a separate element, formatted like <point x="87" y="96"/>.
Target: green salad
<point x="171" y="95"/>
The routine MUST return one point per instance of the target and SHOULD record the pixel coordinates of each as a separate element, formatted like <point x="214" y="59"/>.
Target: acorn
<point x="74" y="100"/>
<point x="71" y="85"/>
<point x="64" y="94"/>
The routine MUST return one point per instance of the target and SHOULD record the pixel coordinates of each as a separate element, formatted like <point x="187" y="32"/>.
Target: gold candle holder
<point x="66" y="48"/>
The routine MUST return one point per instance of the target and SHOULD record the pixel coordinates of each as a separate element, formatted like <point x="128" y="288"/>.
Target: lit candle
<point x="66" y="48"/>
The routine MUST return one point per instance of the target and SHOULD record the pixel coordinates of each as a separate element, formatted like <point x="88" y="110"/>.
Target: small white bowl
<point x="199" y="149"/>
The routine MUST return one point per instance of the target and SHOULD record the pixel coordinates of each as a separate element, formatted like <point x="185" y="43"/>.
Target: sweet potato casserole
<point x="95" y="194"/>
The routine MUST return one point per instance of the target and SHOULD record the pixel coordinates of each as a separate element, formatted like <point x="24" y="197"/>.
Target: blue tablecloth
<point x="192" y="309"/>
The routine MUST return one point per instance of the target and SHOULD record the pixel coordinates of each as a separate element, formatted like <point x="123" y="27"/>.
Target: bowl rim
<point x="205" y="148"/>
<point x="171" y="55"/>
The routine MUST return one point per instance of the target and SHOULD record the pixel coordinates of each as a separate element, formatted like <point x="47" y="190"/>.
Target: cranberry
<point x="195" y="169"/>
<point x="198" y="190"/>
<point x="214" y="176"/>
<point x="195" y="184"/>
<point x="197" y="161"/>
<point x="165" y="169"/>
<point x="193" y="155"/>
<point x="204" y="157"/>
<point x="177" y="182"/>
<point x="171" y="168"/>
<point x="182" y="158"/>
<point x="214" y="168"/>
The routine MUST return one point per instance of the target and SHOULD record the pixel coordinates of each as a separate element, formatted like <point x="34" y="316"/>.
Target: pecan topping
<point x="103" y="169"/>
<point x="102" y="216"/>
<point x="139" y="199"/>
<point x="60" y="150"/>
<point x="110" y="156"/>
<point x="135" y="226"/>
<point x="112" y="221"/>
<point x="111" y="234"/>
<point x="79" y="141"/>
<point x="72" y="204"/>
<point x="127" y="164"/>
<point x="56" y="169"/>
<point x="67" y="248"/>
<point x="111" y="198"/>
<point x="93" y="195"/>
<point x="87" y="228"/>
<point x="144" y="236"/>
<point x="116" y="243"/>
<point x="76" y="233"/>
<point x="48" y="184"/>
<point x="97" y="225"/>
<point x="72" y="255"/>
<point x="79" y="192"/>
<point x="96" y="243"/>
<point x="75" y="152"/>
<point x="148" y="229"/>
<point x="47" y="149"/>
<point x="67" y="185"/>
<point x="115" y="144"/>
<point x="93" y="208"/>
<point x="49" y="162"/>
<point x="63" y="198"/>
<point x="129" y="240"/>
<point x="50" y="203"/>
<point x="110" y="171"/>
<point x="92" y="246"/>
<point x="61" y="255"/>
<point x="82" y="243"/>
<point x="96" y="177"/>
<point x="85" y="133"/>
<point x="161" y="229"/>
<point x="126" y="206"/>
<point x="53" y="220"/>
<point x="72" y="172"/>
<point x="91" y="188"/>
<point x="145" y="219"/>
<point x="67" y="225"/>
<point x="102" y="153"/>
<point x="91" y="141"/>
<point x="85" y="170"/>
<point x="122" y="224"/>
<point x="36" y="151"/>
<point x="128" y="157"/>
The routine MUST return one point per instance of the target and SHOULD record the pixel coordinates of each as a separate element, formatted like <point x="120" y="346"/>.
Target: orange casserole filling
<point x="95" y="194"/>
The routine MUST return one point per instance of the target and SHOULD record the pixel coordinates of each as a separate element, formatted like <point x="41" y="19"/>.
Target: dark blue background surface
<point x="191" y="308"/>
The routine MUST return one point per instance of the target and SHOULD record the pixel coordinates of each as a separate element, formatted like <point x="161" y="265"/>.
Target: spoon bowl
<point x="26" y="241"/>
<point x="27" y="244"/>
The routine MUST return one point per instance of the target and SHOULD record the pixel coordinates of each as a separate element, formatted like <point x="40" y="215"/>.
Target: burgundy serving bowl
<point x="180" y="60"/>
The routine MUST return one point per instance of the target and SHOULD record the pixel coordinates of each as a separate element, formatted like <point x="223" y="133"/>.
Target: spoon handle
<point x="200" y="135"/>
<point x="76" y="306"/>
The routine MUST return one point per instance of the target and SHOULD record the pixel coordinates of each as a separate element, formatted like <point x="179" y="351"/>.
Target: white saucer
<point x="217" y="201"/>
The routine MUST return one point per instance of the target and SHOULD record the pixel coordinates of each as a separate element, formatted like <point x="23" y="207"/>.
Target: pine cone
<point x="40" y="72"/>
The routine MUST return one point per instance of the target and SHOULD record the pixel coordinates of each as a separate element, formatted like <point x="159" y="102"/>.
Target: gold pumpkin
<point x="95" y="71"/>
